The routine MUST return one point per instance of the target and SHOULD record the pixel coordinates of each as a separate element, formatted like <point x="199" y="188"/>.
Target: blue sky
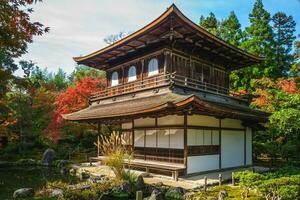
<point x="78" y="27"/>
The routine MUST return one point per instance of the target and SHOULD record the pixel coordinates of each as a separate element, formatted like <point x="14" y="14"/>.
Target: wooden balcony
<point x="159" y="81"/>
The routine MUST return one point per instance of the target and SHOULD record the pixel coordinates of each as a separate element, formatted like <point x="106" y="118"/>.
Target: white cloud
<point x="79" y="27"/>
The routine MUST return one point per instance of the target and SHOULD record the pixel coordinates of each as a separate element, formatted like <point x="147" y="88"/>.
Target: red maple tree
<point x="72" y="99"/>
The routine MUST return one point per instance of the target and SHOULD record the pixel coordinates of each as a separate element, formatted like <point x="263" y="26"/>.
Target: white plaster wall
<point x="231" y="123"/>
<point x="177" y="138"/>
<point x="195" y="137"/>
<point x="127" y="125"/>
<point x="248" y="146"/>
<point x="144" y="122"/>
<point x="150" y="138"/>
<point x="139" y="138"/>
<point x="201" y="120"/>
<point x="170" y="120"/>
<point x="202" y="163"/>
<point x="163" y="138"/>
<point x="232" y="148"/>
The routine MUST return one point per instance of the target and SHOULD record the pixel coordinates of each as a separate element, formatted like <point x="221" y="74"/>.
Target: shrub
<point x="281" y="188"/>
<point x="115" y="154"/>
<point x="284" y="183"/>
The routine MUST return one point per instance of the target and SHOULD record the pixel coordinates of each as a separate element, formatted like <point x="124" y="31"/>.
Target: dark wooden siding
<point x="123" y="78"/>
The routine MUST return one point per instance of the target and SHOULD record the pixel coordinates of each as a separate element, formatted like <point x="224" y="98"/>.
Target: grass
<point x="234" y="193"/>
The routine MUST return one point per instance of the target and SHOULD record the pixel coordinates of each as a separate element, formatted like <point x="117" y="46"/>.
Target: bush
<point x="281" y="188"/>
<point x="284" y="183"/>
<point x="111" y="147"/>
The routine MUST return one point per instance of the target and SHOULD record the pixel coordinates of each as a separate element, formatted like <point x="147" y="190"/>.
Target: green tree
<point x="295" y="69"/>
<point x="282" y="136"/>
<point x="59" y="80"/>
<point x="16" y="31"/>
<point x="258" y="40"/>
<point x="82" y="71"/>
<point x="230" y="29"/>
<point x="210" y="23"/>
<point x="284" y="28"/>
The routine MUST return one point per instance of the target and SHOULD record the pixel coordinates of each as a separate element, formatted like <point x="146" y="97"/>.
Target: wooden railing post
<point x="220" y="179"/>
<point x="205" y="183"/>
<point x="139" y="195"/>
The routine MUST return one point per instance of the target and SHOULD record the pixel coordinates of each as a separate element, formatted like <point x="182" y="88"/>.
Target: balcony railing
<point x="134" y="86"/>
<point x="198" y="85"/>
<point x="158" y="81"/>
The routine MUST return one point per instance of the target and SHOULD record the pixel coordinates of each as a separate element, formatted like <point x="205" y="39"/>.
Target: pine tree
<point x="284" y="37"/>
<point x="230" y="29"/>
<point x="210" y="23"/>
<point x="258" y="40"/>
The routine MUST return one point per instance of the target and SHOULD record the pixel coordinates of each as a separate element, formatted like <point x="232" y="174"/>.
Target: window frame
<point x="134" y="77"/>
<point x="113" y="81"/>
<point x="154" y="71"/>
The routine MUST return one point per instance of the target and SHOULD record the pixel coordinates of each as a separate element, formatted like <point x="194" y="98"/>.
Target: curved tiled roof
<point x="171" y="13"/>
<point x="165" y="102"/>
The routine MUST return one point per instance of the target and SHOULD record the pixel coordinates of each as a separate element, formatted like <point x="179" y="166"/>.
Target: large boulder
<point x="48" y="157"/>
<point x="23" y="193"/>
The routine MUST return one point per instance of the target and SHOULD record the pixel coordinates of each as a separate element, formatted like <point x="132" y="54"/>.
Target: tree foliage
<point x="282" y="98"/>
<point x="72" y="99"/>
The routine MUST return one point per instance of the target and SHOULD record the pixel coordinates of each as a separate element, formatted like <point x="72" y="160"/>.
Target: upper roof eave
<point x="172" y="9"/>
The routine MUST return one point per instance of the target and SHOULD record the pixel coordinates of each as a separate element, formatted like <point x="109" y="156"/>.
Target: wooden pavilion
<point x="168" y="88"/>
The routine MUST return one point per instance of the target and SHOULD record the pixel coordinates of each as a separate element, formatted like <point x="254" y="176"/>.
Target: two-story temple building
<point x="168" y="88"/>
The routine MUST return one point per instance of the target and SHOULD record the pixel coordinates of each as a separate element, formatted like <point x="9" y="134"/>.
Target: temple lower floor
<point x="199" y="143"/>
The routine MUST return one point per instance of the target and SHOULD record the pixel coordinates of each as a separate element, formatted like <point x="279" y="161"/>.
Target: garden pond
<point x="15" y="177"/>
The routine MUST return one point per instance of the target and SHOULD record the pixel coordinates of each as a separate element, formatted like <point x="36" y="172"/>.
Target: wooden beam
<point x="185" y="141"/>
<point x="220" y="143"/>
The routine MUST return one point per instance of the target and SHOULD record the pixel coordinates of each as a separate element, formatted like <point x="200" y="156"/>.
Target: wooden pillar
<point x="171" y="63"/>
<point x="98" y="139"/>
<point x="123" y="75"/>
<point x="185" y="142"/>
<point x="245" y="147"/>
<point x="132" y="136"/>
<point x="142" y="74"/>
<point x="220" y="143"/>
<point x="165" y="61"/>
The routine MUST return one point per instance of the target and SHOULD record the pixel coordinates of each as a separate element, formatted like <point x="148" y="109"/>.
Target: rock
<point x="61" y="164"/>
<point x="124" y="188"/>
<point x="23" y="193"/>
<point x="72" y="171"/>
<point x="156" y="195"/>
<point x="84" y="175"/>
<point x="222" y="195"/>
<point x="175" y="192"/>
<point x="26" y="162"/>
<point x="48" y="157"/>
<point x="55" y="192"/>
<point x="140" y="184"/>
<point x="79" y="187"/>
<point x="98" y="179"/>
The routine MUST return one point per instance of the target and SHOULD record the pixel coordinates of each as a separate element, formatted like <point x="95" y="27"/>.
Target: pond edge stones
<point x="23" y="193"/>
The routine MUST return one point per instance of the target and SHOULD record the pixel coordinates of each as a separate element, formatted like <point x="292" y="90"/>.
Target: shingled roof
<point x="161" y="103"/>
<point x="172" y="24"/>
